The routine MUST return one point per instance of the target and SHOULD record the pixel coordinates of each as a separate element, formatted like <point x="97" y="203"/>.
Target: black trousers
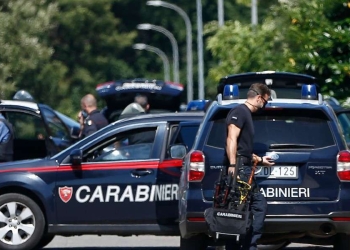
<point x="258" y="205"/>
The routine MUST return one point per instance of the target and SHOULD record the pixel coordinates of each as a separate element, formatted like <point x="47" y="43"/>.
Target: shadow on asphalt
<point x="160" y="248"/>
<point x="113" y="248"/>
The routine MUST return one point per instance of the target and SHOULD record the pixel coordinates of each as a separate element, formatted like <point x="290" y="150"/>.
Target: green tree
<point x="318" y="34"/>
<point x="22" y="44"/>
<point x="297" y="36"/>
<point x="88" y="45"/>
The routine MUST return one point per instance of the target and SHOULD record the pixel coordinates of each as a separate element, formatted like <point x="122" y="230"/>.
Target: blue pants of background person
<point x="258" y="209"/>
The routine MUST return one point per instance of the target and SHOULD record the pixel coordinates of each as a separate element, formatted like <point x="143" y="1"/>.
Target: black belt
<point x="245" y="160"/>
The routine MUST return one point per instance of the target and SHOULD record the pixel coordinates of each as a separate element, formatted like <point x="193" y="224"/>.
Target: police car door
<point x="58" y="134"/>
<point x="169" y="173"/>
<point x="116" y="180"/>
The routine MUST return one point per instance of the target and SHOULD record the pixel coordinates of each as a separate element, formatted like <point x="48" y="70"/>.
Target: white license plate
<point x="278" y="172"/>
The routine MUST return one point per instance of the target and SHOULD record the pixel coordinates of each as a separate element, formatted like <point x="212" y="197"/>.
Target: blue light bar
<point x="231" y="92"/>
<point x="196" y="105"/>
<point x="308" y="91"/>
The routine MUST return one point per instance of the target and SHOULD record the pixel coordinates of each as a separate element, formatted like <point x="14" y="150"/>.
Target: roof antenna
<point x="219" y="98"/>
<point x="320" y="98"/>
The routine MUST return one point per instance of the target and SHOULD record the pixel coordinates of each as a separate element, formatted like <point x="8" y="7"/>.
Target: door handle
<point x="141" y="172"/>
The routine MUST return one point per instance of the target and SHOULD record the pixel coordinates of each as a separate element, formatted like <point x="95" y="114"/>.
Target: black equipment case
<point x="230" y="215"/>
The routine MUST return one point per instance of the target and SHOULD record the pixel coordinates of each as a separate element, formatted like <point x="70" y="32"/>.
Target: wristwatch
<point x="262" y="160"/>
<point x="232" y="165"/>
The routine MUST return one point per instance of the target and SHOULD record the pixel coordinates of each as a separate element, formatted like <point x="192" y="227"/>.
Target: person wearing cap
<point x="91" y="119"/>
<point x="6" y="140"/>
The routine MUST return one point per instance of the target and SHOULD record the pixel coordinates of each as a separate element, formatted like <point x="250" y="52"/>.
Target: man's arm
<point x="3" y="131"/>
<point x="265" y="160"/>
<point x="231" y="145"/>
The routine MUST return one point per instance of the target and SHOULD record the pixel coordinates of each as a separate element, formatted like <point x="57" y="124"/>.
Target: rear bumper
<point x="321" y="225"/>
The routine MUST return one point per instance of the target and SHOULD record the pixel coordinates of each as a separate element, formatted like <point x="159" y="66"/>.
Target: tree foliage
<point x="22" y="40"/>
<point x="88" y="45"/>
<point x="299" y="36"/>
<point x="59" y="50"/>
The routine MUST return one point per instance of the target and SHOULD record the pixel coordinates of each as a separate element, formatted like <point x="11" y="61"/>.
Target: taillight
<point x="343" y="165"/>
<point x="340" y="218"/>
<point x="196" y="167"/>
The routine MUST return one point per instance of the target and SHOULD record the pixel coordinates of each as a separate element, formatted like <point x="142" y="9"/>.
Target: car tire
<point x="341" y="242"/>
<point x="196" y="242"/>
<point x="45" y="241"/>
<point x="22" y="222"/>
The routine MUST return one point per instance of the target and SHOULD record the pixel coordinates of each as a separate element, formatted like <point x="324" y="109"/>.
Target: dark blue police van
<point x="121" y="180"/>
<point x="308" y="188"/>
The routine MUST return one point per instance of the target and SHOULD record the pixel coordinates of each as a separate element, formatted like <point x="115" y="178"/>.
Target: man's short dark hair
<point x="142" y="100"/>
<point x="258" y="89"/>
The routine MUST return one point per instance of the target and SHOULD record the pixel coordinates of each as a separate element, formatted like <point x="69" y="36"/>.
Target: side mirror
<point x="74" y="132"/>
<point x="177" y="151"/>
<point x="76" y="157"/>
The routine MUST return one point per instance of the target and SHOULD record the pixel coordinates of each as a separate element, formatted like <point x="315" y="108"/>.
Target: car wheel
<point x="196" y="242"/>
<point x="45" y="241"/>
<point x="341" y="242"/>
<point x="22" y="222"/>
<point x="280" y="245"/>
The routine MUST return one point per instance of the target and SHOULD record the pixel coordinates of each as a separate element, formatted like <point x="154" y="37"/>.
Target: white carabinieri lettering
<point x="285" y="192"/>
<point x="87" y="195"/>
<point x="151" y="86"/>
<point x="222" y="214"/>
<point x="140" y="193"/>
<point x="112" y="191"/>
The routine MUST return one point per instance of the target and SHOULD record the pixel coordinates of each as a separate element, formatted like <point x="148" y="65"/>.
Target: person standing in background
<point x="90" y="118"/>
<point x="6" y="140"/>
<point x="139" y="106"/>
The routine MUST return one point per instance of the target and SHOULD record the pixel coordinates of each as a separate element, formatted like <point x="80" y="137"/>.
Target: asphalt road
<point x="133" y="243"/>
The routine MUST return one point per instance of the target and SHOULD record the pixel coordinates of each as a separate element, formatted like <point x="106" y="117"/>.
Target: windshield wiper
<point x="290" y="145"/>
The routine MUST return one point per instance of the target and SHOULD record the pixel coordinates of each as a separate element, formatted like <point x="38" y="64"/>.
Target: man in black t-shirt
<point x="239" y="143"/>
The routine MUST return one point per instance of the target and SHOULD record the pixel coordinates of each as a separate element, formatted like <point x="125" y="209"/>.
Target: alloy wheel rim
<point x="17" y="223"/>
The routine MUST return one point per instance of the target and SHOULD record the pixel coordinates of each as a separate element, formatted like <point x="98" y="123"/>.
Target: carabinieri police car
<point x="121" y="180"/>
<point x="308" y="188"/>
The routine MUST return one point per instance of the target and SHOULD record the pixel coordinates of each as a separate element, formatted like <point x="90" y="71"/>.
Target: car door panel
<point x="170" y="170"/>
<point x="29" y="134"/>
<point x="58" y="134"/>
<point x="116" y="188"/>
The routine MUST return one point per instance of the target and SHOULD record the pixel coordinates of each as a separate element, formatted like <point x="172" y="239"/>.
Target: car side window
<point x="186" y="135"/>
<point x="26" y="126"/>
<point x="135" y="144"/>
<point x="217" y="136"/>
<point x="56" y="127"/>
<point x="344" y="119"/>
